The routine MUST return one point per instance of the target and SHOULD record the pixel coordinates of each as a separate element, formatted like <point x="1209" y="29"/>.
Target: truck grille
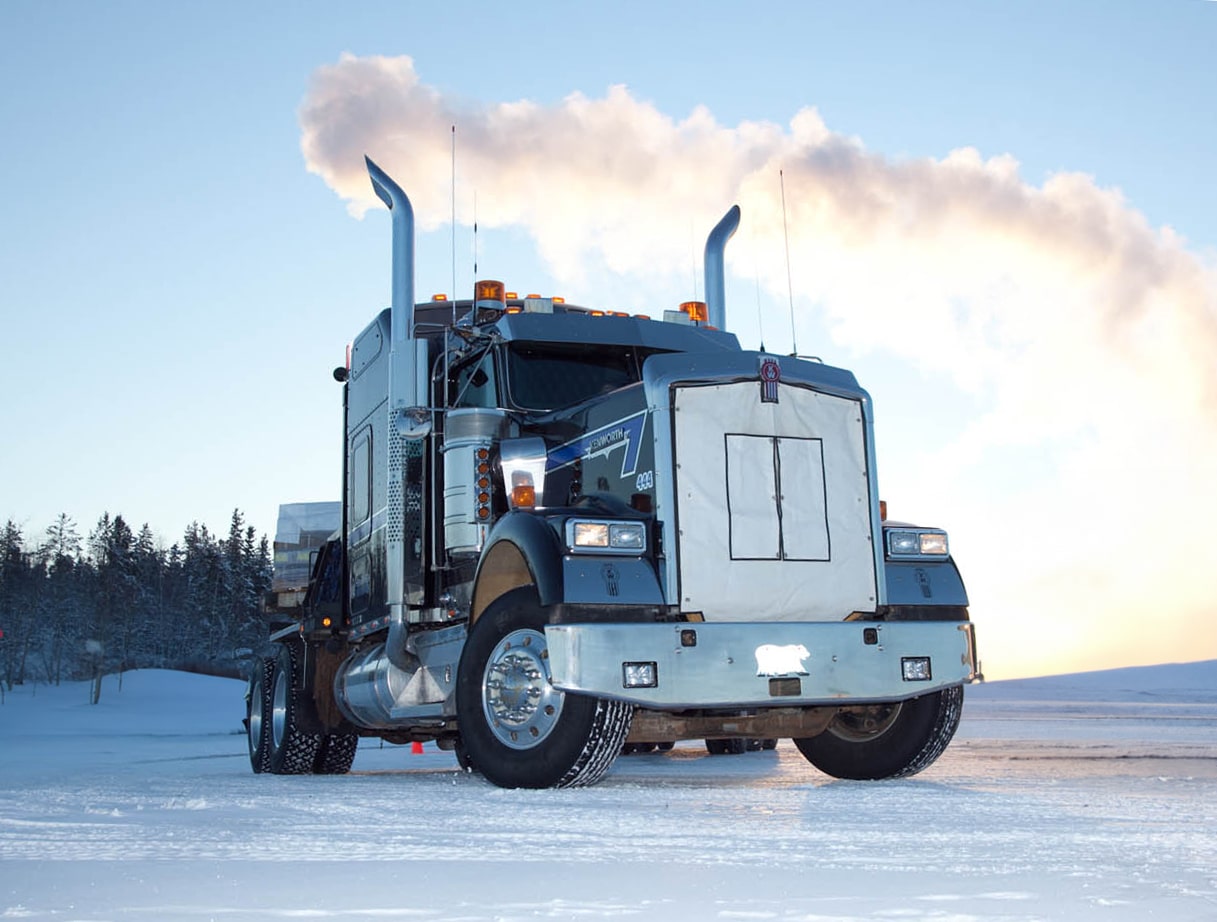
<point x="773" y="504"/>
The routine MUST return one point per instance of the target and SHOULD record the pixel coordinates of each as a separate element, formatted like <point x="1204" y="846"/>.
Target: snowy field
<point x="1078" y="798"/>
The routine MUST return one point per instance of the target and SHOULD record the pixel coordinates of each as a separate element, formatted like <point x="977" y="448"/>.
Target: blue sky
<point x="176" y="285"/>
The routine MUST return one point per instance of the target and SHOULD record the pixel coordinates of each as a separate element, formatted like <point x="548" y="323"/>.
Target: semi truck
<point x="567" y="530"/>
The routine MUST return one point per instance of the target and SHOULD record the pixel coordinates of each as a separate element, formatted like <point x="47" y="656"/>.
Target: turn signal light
<point x="523" y="491"/>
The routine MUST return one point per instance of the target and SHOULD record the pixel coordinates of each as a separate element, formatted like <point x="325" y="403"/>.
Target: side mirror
<point x="414" y="423"/>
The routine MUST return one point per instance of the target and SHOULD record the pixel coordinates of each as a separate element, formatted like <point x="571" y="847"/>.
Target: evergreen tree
<point x="127" y="602"/>
<point x="117" y="589"/>
<point x="65" y="602"/>
<point x="17" y="597"/>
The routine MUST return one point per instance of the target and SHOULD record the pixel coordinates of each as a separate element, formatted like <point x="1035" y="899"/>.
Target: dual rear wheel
<point x="283" y="731"/>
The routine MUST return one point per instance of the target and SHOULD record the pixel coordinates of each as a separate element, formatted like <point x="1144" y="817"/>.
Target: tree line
<point x="73" y="608"/>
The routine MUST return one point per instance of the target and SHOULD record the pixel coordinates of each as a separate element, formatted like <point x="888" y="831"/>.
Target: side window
<point x="473" y="384"/>
<point x="361" y="479"/>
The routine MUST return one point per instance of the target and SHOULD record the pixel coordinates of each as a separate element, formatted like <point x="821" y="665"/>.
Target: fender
<point x="522" y="549"/>
<point x="525" y="548"/>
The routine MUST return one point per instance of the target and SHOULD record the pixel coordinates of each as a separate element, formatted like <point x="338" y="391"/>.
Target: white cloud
<point x="1085" y="336"/>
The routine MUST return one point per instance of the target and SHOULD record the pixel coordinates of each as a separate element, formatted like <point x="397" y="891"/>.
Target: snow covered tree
<point x="64" y="597"/>
<point x="17" y="605"/>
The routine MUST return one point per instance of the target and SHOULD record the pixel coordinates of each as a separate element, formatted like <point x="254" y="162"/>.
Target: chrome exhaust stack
<point x="716" y="245"/>
<point x="392" y="195"/>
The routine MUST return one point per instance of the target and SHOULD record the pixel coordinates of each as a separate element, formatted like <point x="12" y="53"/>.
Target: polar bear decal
<point x="775" y="660"/>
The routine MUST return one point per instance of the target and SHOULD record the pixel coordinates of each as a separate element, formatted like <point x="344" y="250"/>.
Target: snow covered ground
<point x="1087" y="797"/>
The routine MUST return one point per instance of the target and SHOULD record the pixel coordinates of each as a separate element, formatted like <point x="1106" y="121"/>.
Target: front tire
<point x="888" y="740"/>
<point x="517" y="729"/>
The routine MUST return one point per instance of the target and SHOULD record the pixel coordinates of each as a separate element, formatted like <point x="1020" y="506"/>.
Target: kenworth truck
<point x="565" y="530"/>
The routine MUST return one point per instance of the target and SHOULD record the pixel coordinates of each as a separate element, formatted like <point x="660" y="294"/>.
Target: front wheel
<point x="517" y="729"/>
<point x="886" y="740"/>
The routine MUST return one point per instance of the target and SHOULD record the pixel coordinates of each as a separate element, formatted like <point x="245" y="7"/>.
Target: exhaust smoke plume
<point x="1077" y="487"/>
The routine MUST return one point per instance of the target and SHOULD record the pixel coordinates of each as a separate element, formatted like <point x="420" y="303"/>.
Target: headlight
<point x="619" y="537"/>
<point x="921" y="542"/>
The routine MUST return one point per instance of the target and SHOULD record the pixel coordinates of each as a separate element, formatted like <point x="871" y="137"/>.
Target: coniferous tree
<point x="17" y="597"/>
<point x="127" y="602"/>
<point x="60" y="557"/>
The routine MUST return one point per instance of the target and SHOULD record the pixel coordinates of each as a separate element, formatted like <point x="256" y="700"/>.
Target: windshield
<point x="546" y="376"/>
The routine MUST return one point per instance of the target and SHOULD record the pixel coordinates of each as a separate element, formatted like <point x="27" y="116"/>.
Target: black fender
<point x="523" y="548"/>
<point x="529" y="549"/>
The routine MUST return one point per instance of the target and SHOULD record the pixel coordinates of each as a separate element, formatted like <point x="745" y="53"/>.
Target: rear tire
<point x="336" y="753"/>
<point x="887" y="740"/>
<point x="257" y="716"/>
<point x="517" y="729"/>
<point x="293" y="750"/>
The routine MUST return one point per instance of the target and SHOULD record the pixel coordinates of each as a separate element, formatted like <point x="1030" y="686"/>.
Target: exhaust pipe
<point x="716" y="245"/>
<point x="391" y="194"/>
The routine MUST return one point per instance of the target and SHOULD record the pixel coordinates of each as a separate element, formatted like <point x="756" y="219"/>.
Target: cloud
<point x="1083" y="337"/>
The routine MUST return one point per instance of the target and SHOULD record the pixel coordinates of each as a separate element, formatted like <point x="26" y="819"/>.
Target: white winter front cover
<point x="773" y="506"/>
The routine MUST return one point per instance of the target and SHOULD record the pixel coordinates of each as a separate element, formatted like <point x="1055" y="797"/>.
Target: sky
<point x="1001" y="217"/>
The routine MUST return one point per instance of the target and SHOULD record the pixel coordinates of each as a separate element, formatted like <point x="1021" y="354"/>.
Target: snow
<point x="1089" y="797"/>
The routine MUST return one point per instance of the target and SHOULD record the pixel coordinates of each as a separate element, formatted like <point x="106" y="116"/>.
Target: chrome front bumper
<point x="761" y="664"/>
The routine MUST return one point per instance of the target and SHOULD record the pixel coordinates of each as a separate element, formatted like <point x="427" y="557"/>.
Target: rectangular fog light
<point x="915" y="668"/>
<point x="639" y="675"/>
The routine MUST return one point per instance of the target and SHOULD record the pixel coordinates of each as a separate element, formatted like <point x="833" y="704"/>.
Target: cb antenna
<point x="794" y="345"/>
<point x="454" y="225"/>
<point x="760" y="316"/>
<point x="693" y="257"/>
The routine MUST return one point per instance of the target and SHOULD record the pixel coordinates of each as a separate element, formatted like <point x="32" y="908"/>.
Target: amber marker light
<point x="523" y="490"/>
<point x="489" y="290"/>
<point x="696" y="311"/>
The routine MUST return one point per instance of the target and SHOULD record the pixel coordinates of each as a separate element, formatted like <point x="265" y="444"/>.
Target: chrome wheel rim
<point x="520" y="705"/>
<point x="278" y="709"/>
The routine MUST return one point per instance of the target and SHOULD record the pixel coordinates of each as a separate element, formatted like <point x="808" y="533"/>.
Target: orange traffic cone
<point x="416" y="748"/>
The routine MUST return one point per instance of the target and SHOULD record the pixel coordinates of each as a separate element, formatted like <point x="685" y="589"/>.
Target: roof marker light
<point x="697" y="311"/>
